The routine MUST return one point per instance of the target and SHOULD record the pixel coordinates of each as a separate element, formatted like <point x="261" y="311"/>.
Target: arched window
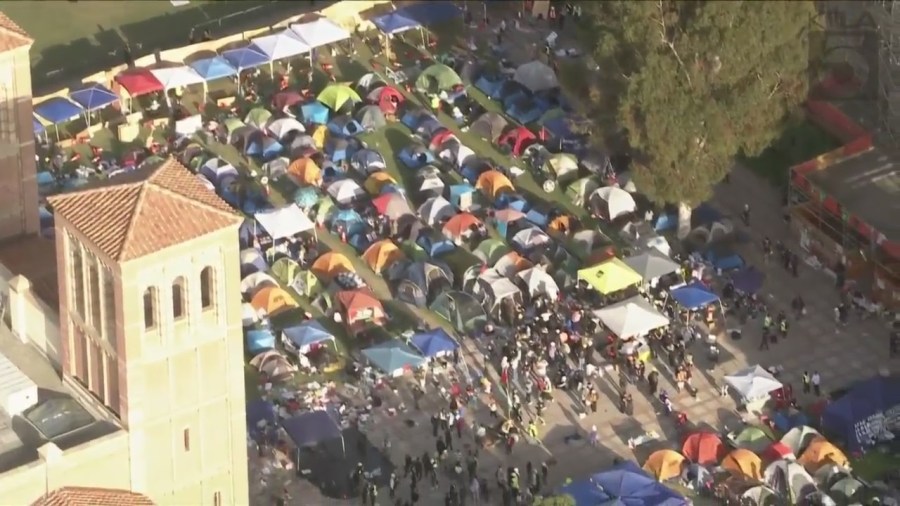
<point x="179" y="303"/>
<point x="150" y="297"/>
<point x="207" y="292"/>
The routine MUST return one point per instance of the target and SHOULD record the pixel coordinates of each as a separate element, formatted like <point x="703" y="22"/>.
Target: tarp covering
<point x="859" y="416"/>
<point x="259" y="340"/>
<point x="260" y="413"/>
<point x="280" y="45"/>
<point x="651" y="265"/>
<point x="434" y="343"/>
<point x="216" y="67"/>
<point x="177" y="77"/>
<point x="693" y="296"/>
<point x="632" y="317"/>
<point x="536" y="76"/>
<point x="748" y="280"/>
<point x="311" y="428"/>
<point x="245" y="57"/>
<point x="285" y="222"/>
<point x="753" y="382"/>
<point x="623" y="485"/>
<point x="307" y="334"/>
<point x="318" y="33"/>
<point x="58" y="110"/>
<point x="139" y="81"/>
<point x="610" y="276"/>
<point x="393" y="357"/>
<point x="95" y="96"/>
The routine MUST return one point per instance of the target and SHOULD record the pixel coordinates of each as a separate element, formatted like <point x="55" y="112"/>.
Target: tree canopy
<point x="693" y="84"/>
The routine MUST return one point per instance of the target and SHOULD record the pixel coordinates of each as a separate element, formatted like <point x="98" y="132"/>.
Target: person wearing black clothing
<point x="448" y="439"/>
<point x="407" y="465"/>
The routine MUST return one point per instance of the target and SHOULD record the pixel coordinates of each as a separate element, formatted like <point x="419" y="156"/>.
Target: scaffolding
<point x="887" y="15"/>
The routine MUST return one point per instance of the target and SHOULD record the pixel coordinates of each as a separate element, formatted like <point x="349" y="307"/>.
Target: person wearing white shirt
<point x="817" y="383"/>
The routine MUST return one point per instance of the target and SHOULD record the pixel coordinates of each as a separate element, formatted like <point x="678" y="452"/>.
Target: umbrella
<point x="336" y="95"/>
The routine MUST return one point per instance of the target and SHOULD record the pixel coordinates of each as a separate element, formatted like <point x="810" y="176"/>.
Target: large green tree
<point x="693" y="84"/>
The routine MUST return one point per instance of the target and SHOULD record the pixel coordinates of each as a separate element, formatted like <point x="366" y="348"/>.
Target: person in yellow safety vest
<point x="532" y="430"/>
<point x="436" y="103"/>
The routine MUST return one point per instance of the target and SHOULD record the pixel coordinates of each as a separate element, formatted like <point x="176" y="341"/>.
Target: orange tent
<point x="361" y="309"/>
<point x="382" y="254"/>
<point x="819" y="453"/>
<point x="492" y="183"/>
<point x="561" y="223"/>
<point x="511" y="264"/>
<point x="703" y="448"/>
<point x="744" y="463"/>
<point x="377" y="181"/>
<point x="330" y="265"/>
<point x="305" y="172"/>
<point x="664" y="464"/>
<point x="460" y="225"/>
<point x="273" y="300"/>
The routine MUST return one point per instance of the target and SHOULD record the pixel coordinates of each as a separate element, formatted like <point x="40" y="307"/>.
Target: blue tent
<point x="415" y="157"/>
<point x="626" y="485"/>
<point x="307" y="334"/>
<point x="306" y="197"/>
<point x="414" y="117"/>
<point x="38" y="127"/>
<point x="434" y="343"/>
<point x="693" y="296"/>
<point x="524" y="111"/>
<point x="349" y="220"/>
<point x="311" y="428"/>
<point x="45" y="178"/>
<point x="266" y="148"/>
<point x="724" y="259"/>
<point x="458" y="191"/>
<point x="785" y="420"/>
<point x="259" y="410"/>
<point x="345" y="126"/>
<point x="858" y="416"/>
<point x="490" y="85"/>
<point x="395" y="22"/>
<point x="245" y="57"/>
<point x="315" y="113"/>
<point x="748" y="280"/>
<point x="435" y="244"/>
<point x="430" y="13"/>
<point x="537" y="217"/>
<point x="216" y="67"/>
<point x="94" y="97"/>
<point x="360" y="242"/>
<point x="259" y="340"/>
<point x="367" y="161"/>
<point x="58" y="110"/>
<point x="393" y="357"/>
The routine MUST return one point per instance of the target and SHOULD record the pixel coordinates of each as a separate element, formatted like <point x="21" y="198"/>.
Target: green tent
<point x="490" y="250"/>
<point x="561" y="165"/>
<point x="336" y="95"/>
<point x="579" y="190"/>
<point x="437" y="78"/>
<point x="461" y="309"/>
<point x="323" y="209"/>
<point x="413" y="251"/>
<point x="258" y="117"/>
<point x="232" y="124"/>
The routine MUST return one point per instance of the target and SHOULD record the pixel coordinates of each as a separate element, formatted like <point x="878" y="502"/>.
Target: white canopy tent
<point x="753" y="384"/>
<point x="345" y="191"/>
<point x="178" y="77"/>
<point x="632" y="317"/>
<point x="280" y="45"/>
<point x="318" y="33"/>
<point x="285" y="222"/>
<point x="618" y="201"/>
<point x="651" y="264"/>
<point x="539" y="282"/>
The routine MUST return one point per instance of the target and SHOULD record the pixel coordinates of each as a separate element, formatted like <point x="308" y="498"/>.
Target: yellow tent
<point x="382" y="254"/>
<point x="377" y="181"/>
<point x="304" y="171"/>
<point x="320" y="136"/>
<point x="610" y="276"/>
<point x="492" y="183"/>
<point x="819" y="453"/>
<point x="330" y="265"/>
<point x="664" y="464"/>
<point x="744" y="463"/>
<point x="273" y="300"/>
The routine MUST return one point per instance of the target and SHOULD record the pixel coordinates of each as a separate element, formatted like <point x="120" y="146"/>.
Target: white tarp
<point x="619" y="202"/>
<point x="539" y="282"/>
<point x="345" y="191"/>
<point x="651" y="265"/>
<point x="285" y="222"/>
<point x="280" y="45"/>
<point x="753" y="383"/>
<point x="320" y="32"/>
<point x="176" y="77"/>
<point x="631" y="317"/>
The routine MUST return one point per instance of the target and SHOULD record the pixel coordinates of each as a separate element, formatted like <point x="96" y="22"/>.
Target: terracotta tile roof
<point x="35" y="258"/>
<point x="12" y="36"/>
<point x="151" y="209"/>
<point x="90" y="496"/>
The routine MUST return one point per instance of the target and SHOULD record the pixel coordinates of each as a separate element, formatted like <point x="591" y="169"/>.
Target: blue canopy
<point x="311" y="428"/>
<point x="94" y="97"/>
<point x="393" y="357"/>
<point x="858" y="416"/>
<point x="58" y="110"/>
<point x="307" y="334"/>
<point x="38" y="127"/>
<point x="434" y="343"/>
<point x="216" y="67"/>
<point x="315" y="113"/>
<point x="259" y="410"/>
<point x="245" y="57"/>
<point x="748" y="280"/>
<point x="259" y="340"/>
<point x="693" y="296"/>
<point x="429" y="13"/>
<point x="395" y="22"/>
<point x="625" y="484"/>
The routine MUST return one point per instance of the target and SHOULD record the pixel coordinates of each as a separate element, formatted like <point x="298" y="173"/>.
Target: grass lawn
<point x="873" y="465"/>
<point x="799" y="143"/>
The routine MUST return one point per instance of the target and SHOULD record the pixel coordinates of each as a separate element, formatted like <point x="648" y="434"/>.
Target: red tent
<point x="139" y="82"/>
<point x="387" y="98"/>
<point x="442" y="136"/>
<point x="517" y="140"/>
<point x="703" y="448"/>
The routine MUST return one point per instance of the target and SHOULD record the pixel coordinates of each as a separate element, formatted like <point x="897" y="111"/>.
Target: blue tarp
<point x="626" y="485"/>
<point x="315" y="113"/>
<point x="858" y="416"/>
<point x="216" y="67"/>
<point x="434" y="343"/>
<point x="349" y="220"/>
<point x="748" y="280"/>
<point x="257" y="411"/>
<point x="306" y="197"/>
<point x="395" y="22"/>
<point x="38" y="127"/>
<point x="430" y="13"/>
<point x="311" y="428"/>
<point x="693" y="296"/>
<point x="259" y="340"/>
<point x="392" y="357"/>
<point x="307" y="334"/>
<point x="94" y="97"/>
<point x="785" y="421"/>
<point x="245" y="57"/>
<point x="58" y="110"/>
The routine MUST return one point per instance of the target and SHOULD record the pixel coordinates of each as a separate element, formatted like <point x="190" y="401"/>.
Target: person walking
<point x="806" y="382"/>
<point x="817" y="383"/>
<point x="745" y="215"/>
<point x="595" y="436"/>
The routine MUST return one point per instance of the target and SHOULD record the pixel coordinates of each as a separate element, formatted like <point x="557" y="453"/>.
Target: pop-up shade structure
<point x="624" y="484"/>
<point x="311" y="428"/>
<point x="318" y="33"/>
<point x="37" y="126"/>
<point x="434" y="343"/>
<point x="58" y="110"/>
<point x="753" y="383"/>
<point x="651" y="265"/>
<point x="395" y="22"/>
<point x="632" y="317"/>
<point x="610" y="276"/>
<point x="693" y="296"/>
<point x="178" y="77"/>
<point x="393" y="357"/>
<point x="214" y="68"/>
<point x="244" y="58"/>
<point x="278" y="46"/>
<point x="285" y="222"/>
<point x="95" y="96"/>
<point x="139" y="81"/>
<point x="307" y="334"/>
